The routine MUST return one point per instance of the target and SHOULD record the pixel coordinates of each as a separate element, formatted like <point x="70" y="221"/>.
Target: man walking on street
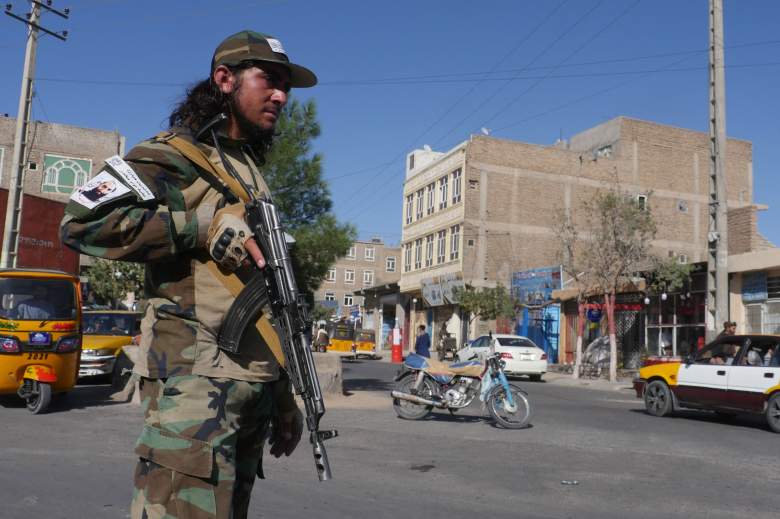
<point x="206" y="410"/>
<point x="422" y="345"/>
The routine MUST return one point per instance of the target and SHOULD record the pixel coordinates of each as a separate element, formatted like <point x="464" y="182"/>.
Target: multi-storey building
<point x="367" y="263"/>
<point x="486" y="208"/>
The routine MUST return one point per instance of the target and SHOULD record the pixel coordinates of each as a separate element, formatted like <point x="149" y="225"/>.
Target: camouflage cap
<point x="250" y="45"/>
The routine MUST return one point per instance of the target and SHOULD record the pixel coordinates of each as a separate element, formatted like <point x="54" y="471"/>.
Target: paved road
<point x="76" y="462"/>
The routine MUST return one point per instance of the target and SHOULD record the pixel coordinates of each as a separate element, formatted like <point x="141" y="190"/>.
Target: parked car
<point x="106" y="332"/>
<point x="732" y="374"/>
<point x="521" y="355"/>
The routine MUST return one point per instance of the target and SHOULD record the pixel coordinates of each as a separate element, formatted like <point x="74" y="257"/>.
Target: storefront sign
<point x="535" y="286"/>
<point x="440" y="290"/>
<point x="594" y="315"/>
<point x="754" y="287"/>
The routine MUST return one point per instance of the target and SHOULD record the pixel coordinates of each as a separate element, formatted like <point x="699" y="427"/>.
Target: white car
<point x="521" y="355"/>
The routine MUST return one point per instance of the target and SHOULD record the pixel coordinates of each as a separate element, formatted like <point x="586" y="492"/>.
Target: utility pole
<point x="13" y="210"/>
<point x="717" y="237"/>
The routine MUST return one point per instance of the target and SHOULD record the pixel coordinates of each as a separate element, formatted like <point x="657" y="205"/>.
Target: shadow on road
<point x="367" y="384"/>
<point x="80" y="397"/>
<point x="749" y="421"/>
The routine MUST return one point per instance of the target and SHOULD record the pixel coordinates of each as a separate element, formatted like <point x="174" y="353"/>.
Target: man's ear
<point x="224" y="78"/>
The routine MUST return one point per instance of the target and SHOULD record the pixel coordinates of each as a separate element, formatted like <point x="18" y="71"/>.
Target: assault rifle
<point x="274" y="286"/>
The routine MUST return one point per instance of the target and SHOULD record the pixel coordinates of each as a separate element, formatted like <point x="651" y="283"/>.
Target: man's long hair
<point x="205" y="100"/>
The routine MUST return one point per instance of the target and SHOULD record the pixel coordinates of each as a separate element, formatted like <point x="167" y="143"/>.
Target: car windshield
<point x="516" y="341"/>
<point x="109" y="324"/>
<point x="37" y="299"/>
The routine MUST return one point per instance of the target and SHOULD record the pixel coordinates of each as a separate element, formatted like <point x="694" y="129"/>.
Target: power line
<point x="578" y="49"/>
<point x="535" y="58"/>
<point x="455" y="104"/>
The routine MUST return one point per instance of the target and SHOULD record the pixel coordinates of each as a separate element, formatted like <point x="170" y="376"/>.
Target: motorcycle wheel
<point x="40" y="399"/>
<point x="409" y="410"/>
<point x="518" y="419"/>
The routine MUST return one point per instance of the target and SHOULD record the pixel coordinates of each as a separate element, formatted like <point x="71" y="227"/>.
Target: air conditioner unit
<point x="682" y="259"/>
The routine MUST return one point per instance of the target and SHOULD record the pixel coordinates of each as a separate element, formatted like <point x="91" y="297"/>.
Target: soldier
<point x="206" y="410"/>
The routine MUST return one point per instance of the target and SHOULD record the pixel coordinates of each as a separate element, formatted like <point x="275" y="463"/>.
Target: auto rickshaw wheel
<point x="40" y="397"/>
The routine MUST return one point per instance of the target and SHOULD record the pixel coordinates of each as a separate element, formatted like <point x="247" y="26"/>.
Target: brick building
<point x="367" y="264"/>
<point x="59" y="158"/>
<point x="485" y="209"/>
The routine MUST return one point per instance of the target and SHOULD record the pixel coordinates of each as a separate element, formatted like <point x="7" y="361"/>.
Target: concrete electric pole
<point x="13" y="210"/>
<point x="717" y="237"/>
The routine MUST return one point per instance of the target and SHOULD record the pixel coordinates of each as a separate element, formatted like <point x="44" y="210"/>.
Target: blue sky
<point x="397" y="75"/>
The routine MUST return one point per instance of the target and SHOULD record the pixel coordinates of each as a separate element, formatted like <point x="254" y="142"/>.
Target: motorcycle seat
<point x="434" y="367"/>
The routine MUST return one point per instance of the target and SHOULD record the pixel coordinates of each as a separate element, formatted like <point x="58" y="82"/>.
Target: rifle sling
<point x="230" y="281"/>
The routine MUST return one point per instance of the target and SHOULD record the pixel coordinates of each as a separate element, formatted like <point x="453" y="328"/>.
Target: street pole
<point x="13" y="209"/>
<point x="717" y="237"/>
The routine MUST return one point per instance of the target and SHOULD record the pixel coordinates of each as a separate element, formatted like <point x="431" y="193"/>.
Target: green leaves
<point x="487" y="303"/>
<point x="294" y="175"/>
<point x="112" y="280"/>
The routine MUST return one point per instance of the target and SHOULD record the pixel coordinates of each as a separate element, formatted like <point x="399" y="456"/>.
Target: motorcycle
<point x="426" y="384"/>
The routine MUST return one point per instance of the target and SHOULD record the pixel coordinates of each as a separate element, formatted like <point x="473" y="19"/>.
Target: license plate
<point x="89" y="372"/>
<point x="40" y="338"/>
<point x="526" y="357"/>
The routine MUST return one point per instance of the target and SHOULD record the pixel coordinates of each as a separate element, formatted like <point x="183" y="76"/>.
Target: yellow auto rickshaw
<point x="366" y="343"/>
<point x="342" y="337"/>
<point x="40" y="334"/>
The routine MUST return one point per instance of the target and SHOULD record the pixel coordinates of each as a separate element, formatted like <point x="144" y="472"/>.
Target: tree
<point x="294" y="175"/>
<point x="321" y="313"/>
<point x="113" y="280"/>
<point x="668" y="275"/>
<point x="608" y="244"/>
<point x="487" y="303"/>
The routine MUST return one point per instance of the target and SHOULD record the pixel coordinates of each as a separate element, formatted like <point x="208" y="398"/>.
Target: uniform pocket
<point x="178" y="453"/>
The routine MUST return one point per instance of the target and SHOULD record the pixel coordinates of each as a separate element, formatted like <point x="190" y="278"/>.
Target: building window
<point x="368" y="277"/>
<point x="390" y="264"/>
<point x="330" y="296"/>
<point x="349" y="276"/>
<point x="408" y="257"/>
<point x="418" y="253"/>
<point x="2" y="156"/>
<point x="331" y="277"/>
<point x="347" y="300"/>
<point x="441" y="246"/>
<point x="431" y="192"/>
<point x="429" y="250"/>
<point x="456" y="186"/>
<point x="443" y="185"/>
<point x="411" y="161"/>
<point x="64" y="174"/>
<point x="773" y="287"/>
<point x="641" y="200"/>
<point x="454" y="241"/>
<point x="409" y="209"/>
<point x="368" y="255"/>
<point x="420" y="193"/>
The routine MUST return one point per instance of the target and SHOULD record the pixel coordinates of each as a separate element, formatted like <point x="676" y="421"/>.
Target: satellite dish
<point x="485" y="131"/>
<point x="426" y="147"/>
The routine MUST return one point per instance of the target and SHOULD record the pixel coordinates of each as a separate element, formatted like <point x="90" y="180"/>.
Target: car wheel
<point x="658" y="398"/>
<point x="535" y="378"/>
<point x="773" y="412"/>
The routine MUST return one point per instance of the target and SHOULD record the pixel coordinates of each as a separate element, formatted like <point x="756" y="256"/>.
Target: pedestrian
<point x="322" y="339"/>
<point x="422" y="344"/>
<point x="729" y="328"/>
<point x="206" y="411"/>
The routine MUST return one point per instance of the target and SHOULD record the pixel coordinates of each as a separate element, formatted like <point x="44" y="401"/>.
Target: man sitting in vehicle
<point x="36" y="307"/>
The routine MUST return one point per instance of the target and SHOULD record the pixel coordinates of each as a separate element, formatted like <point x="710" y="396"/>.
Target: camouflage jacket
<point x="156" y="208"/>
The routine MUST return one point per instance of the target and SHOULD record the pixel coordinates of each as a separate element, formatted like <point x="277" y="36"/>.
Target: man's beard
<point x="255" y="136"/>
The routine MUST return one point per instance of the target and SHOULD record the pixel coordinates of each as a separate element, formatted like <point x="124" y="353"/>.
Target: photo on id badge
<point x="102" y="188"/>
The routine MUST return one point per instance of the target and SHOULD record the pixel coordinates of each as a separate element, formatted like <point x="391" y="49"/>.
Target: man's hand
<point x="230" y="239"/>
<point x="286" y="434"/>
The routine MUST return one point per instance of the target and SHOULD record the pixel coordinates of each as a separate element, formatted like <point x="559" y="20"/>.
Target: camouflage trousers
<point x="201" y="447"/>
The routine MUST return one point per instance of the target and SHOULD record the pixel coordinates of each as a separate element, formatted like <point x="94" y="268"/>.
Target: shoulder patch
<point x="102" y="188"/>
<point x="130" y="177"/>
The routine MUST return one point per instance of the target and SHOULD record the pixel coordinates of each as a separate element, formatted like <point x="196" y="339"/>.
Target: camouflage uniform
<point x="206" y="411"/>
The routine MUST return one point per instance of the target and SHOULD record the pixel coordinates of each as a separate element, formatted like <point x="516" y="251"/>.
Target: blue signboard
<point x="754" y="287"/>
<point x="535" y="286"/>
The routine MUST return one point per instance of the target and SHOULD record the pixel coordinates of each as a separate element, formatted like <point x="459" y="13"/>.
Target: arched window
<point x="64" y="174"/>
